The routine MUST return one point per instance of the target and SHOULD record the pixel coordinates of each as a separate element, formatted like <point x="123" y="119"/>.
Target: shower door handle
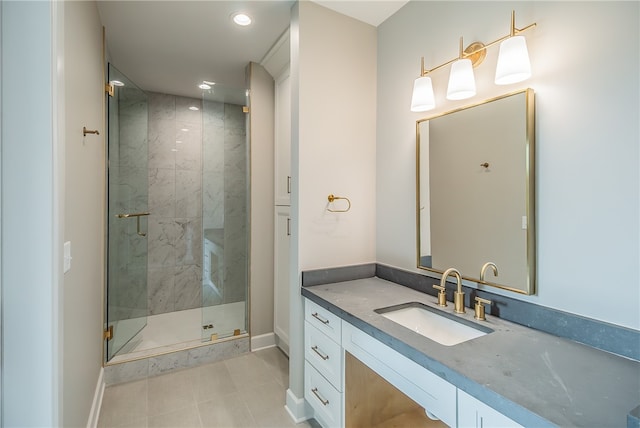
<point x="137" y="216"/>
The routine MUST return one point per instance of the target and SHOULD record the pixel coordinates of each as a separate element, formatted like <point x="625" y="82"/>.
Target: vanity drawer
<point x="323" y="397"/>
<point x="324" y="320"/>
<point x="474" y="413"/>
<point x="324" y="354"/>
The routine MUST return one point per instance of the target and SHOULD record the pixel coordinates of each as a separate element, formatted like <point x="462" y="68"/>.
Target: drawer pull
<point x="319" y="318"/>
<point x="315" y="349"/>
<point x="322" y="400"/>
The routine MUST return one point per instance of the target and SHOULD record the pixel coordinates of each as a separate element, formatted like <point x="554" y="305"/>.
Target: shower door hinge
<point x="245" y="109"/>
<point x="108" y="333"/>
<point x="108" y="88"/>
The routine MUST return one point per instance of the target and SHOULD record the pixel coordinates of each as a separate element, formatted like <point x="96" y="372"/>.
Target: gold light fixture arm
<point x="478" y="47"/>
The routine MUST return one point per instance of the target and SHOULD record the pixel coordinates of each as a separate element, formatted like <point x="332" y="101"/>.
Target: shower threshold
<point x="175" y="331"/>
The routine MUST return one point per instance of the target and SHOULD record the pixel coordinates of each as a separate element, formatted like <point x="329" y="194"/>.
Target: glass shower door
<point x="126" y="298"/>
<point x="225" y="218"/>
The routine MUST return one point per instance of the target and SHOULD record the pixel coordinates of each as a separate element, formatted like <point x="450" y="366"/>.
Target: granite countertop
<point x="532" y="377"/>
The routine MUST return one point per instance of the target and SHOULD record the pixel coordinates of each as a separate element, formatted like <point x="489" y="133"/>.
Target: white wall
<point x="262" y="135"/>
<point x="585" y="61"/>
<point x="31" y="185"/>
<point x="84" y="209"/>
<point x="333" y="89"/>
<point x="337" y="138"/>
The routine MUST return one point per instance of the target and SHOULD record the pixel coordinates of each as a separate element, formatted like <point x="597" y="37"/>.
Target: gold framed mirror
<point x="475" y="181"/>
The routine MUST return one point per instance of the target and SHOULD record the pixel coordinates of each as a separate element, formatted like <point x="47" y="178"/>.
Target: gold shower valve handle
<point x="86" y="131"/>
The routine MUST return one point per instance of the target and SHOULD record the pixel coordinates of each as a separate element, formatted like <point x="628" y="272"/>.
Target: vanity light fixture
<point x="513" y="66"/>
<point x="513" y="61"/>
<point x="423" y="99"/>
<point x="462" y="82"/>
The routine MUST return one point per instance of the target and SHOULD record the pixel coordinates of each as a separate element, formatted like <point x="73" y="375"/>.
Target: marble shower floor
<point x="180" y="330"/>
<point x="245" y="391"/>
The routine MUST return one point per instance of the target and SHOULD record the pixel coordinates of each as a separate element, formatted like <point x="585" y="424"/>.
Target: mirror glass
<point x="475" y="191"/>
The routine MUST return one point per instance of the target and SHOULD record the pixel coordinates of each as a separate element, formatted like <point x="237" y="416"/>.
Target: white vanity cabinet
<point x="473" y="413"/>
<point x="323" y="366"/>
<point x="326" y="340"/>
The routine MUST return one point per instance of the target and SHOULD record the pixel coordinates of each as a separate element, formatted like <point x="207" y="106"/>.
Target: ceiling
<point x="172" y="46"/>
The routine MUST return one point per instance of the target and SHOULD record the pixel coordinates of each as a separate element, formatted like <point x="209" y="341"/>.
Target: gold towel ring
<point x="332" y="198"/>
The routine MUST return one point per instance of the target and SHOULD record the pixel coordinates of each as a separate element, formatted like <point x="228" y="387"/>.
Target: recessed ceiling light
<point x="204" y="86"/>
<point x="185" y="129"/>
<point x="194" y="108"/>
<point x="242" y="19"/>
<point x="117" y="83"/>
<point x="178" y="142"/>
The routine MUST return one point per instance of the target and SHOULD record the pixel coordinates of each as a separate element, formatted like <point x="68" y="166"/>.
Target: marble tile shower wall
<point x="175" y="202"/>
<point x="197" y="179"/>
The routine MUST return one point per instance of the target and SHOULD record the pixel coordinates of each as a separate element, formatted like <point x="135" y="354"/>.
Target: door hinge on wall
<point x="108" y="88"/>
<point x="108" y="333"/>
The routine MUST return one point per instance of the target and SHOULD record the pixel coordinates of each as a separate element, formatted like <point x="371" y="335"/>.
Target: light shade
<point x="462" y="84"/>
<point x="513" y="61"/>
<point x="422" y="99"/>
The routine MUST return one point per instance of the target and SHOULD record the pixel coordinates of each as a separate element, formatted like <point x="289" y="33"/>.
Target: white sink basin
<point x="444" y="328"/>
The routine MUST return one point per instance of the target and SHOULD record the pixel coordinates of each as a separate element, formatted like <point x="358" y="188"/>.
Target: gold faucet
<point x="458" y="296"/>
<point x="484" y="269"/>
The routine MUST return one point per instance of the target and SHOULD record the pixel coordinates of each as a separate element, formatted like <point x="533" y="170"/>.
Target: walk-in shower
<point x="178" y="189"/>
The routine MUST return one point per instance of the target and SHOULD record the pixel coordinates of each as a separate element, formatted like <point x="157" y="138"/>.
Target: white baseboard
<point x="267" y="340"/>
<point x="297" y="408"/>
<point x="94" y="414"/>
<point x="284" y="346"/>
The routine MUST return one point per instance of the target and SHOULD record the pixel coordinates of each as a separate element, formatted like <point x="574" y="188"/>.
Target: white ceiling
<point x="373" y="12"/>
<point x="172" y="46"/>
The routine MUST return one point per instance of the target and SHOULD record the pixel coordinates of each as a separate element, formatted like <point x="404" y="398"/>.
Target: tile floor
<point x="245" y="391"/>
